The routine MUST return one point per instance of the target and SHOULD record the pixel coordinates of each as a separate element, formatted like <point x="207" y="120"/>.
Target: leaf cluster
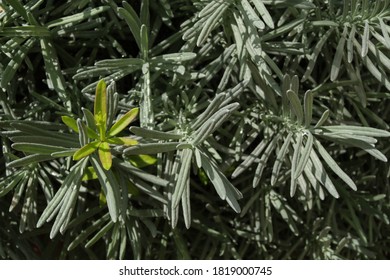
<point x="196" y="129"/>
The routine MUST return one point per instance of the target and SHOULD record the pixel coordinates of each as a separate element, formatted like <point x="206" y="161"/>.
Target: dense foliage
<point x="203" y="129"/>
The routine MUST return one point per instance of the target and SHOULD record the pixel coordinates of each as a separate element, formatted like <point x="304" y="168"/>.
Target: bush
<point x="201" y="129"/>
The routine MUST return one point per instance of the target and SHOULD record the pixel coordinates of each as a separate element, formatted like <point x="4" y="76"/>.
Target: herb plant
<point x="194" y="129"/>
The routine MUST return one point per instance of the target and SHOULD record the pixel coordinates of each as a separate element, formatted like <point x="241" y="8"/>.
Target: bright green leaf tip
<point x="70" y="122"/>
<point x="123" y="122"/>
<point x="100" y="105"/>
<point x="86" y="150"/>
<point x="105" y="155"/>
<point x="141" y="161"/>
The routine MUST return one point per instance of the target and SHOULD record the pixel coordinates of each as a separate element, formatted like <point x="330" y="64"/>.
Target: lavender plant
<point x="203" y="129"/>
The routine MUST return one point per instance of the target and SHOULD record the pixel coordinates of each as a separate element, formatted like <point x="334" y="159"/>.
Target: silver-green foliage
<point x="262" y="132"/>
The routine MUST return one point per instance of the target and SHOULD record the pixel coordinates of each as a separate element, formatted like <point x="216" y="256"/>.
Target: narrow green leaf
<point x="211" y="23"/>
<point x="83" y="132"/>
<point x="112" y="103"/>
<point x="139" y="173"/>
<point x="204" y="131"/>
<point x="34" y="148"/>
<point x="89" y="118"/>
<point x="374" y="70"/>
<point x="44" y="140"/>
<point x="173" y="58"/>
<point x="42" y="128"/>
<point x="89" y="174"/>
<point x="266" y="216"/>
<point x="308" y="107"/>
<point x="123" y="241"/>
<point x="110" y="188"/>
<point x="146" y="110"/>
<point x="282" y="29"/>
<point x="67" y="207"/>
<point x="221" y="184"/>
<point x="96" y="225"/>
<point x="333" y="165"/>
<point x="280" y="158"/>
<point x="369" y="148"/>
<point x="214" y="122"/>
<point x="84" y="15"/>
<point x="123" y="122"/>
<point x="10" y="182"/>
<point x="122" y="141"/>
<point x="250" y="15"/>
<point x="210" y="110"/>
<point x="232" y="195"/>
<point x="294" y="163"/>
<point x="385" y="32"/>
<point x="55" y="79"/>
<point x="99" y="234"/>
<point x="316" y="51"/>
<point x="294" y="84"/>
<point x="183" y="178"/>
<point x="355" y="76"/>
<point x="380" y="56"/>
<point x="304" y="157"/>
<point x="64" y="153"/>
<point x="15" y="62"/>
<point x="285" y="211"/>
<point x="335" y="136"/>
<point x="83" y="135"/>
<point x="209" y="8"/>
<point x="351" y="37"/>
<point x="144" y="42"/>
<point x="251" y="201"/>
<point x="357" y="130"/>
<point x="105" y="155"/>
<point x="150" y="191"/>
<point x="313" y="181"/>
<point x="264" y="13"/>
<point x="100" y="105"/>
<point x="296" y="105"/>
<point x="365" y="39"/>
<point x="263" y="161"/>
<point x="92" y="134"/>
<point x="334" y="72"/>
<point x="184" y="145"/>
<point x="51" y="102"/>
<point x="54" y="205"/>
<point x="120" y="62"/>
<point x="146" y="213"/>
<point x="285" y="87"/>
<point x="198" y="160"/>
<point x="301" y="4"/>
<point x="141" y="161"/>
<point x="154" y="134"/>
<point x="128" y="14"/>
<point x="86" y="150"/>
<point x="151" y="148"/>
<point x="27" y="160"/>
<point x="94" y="71"/>
<point x="17" y="194"/>
<point x="250" y="158"/>
<point x="315" y="165"/>
<point x="355" y="222"/>
<point x="186" y="206"/>
<point x="323" y="119"/>
<point x="70" y="122"/>
<point x="145" y="13"/>
<point x="19" y="8"/>
<point x="214" y="177"/>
